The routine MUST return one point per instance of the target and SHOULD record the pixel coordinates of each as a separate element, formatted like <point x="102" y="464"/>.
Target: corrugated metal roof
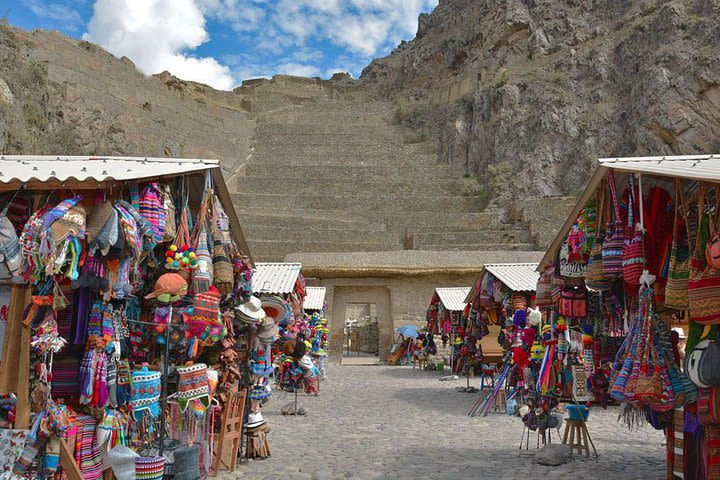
<point x="696" y="167"/>
<point x="36" y="169"/>
<point x="518" y="277"/>
<point x="314" y="298"/>
<point x="453" y="298"/>
<point x="275" y="277"/>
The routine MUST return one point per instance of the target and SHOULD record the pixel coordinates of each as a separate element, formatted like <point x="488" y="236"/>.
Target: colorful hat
<point x="306" y="363"/>
<point x="274" y="307"/>
<point x="145" y="393"/>
<point x="169" y="287"/>
<point x="255" y="420"/>
<point x="149" y="468"/>
<point x="204" y="321"/>
<point x="194" y="388"/>
<point x="122" y="461"/>
<point x="250" y="311"/>
<point x="71" y="223"/>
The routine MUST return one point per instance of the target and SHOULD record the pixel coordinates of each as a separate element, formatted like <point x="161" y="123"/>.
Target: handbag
<point x="708" y="405"/>
<point x="595" y="278"/>
<point x="573" y="303"/>
<point x="676" y="288"/>
<point x="202" y="277"/>
<point x="613" y="243"/>
<point x="633" y="260"/>
<point x="223" y="277"/>
<point x="704" y="281"/>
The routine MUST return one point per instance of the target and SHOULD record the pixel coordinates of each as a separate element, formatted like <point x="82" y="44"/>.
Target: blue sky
<point x="222" y="42"/>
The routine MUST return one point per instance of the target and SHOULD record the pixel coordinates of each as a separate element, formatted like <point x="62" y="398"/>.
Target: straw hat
<point x="250" y="311"/>
<point x="255" y="420"/>
<point x="306" y="363"/>
<point x="274" y="307"/>
<point x="267" y="332"/>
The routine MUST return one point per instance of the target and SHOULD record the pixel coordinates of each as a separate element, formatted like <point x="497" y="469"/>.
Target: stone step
<point x="363" y="185"/>
<point x="450" y="237"/>
<point x="277" y="250"/>
<point x="330" y="235"/>
<point x="329" y="118"/>
<point x="283" y="220"/>
<point x="401" y="158"/>
<point x="352" y="152"/>
<point x="266" y="129"/>
<point x="336" y="171"/>
<point x="263" y="137"/>
<point x="480" y="247"/>
<point x="413" y="221"/>
<point x="361" y="203"/>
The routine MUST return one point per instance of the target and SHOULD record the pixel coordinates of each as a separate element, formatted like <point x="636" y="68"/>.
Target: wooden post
<point x="70" y="468"/>
<point x="19" y="298"/>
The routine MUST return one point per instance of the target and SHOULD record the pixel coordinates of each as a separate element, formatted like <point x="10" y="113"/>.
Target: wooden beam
<point x="20" y="297"/>
<point x="67" y="460"/>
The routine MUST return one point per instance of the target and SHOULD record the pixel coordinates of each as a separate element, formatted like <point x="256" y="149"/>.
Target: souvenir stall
<point x="635" y="267"/>
<point x="444" y="320"/>
<point x="499" y="291"/>
<point x="120" y="278"/>
<point x="281" y="289"/>
<point x="315" y="307"/>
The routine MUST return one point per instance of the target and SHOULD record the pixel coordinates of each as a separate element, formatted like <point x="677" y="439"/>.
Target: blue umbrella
<point x="408" y="331"/>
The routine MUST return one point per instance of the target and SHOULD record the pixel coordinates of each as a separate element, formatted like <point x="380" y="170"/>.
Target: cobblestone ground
<point x="379" y="422"/>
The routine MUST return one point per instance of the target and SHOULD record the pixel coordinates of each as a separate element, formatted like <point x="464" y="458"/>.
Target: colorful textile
<point x="87" y="450"/>
<point x="193" y="388"/>
<point x="152" y="208"/>
<point x="12" y="444"/>
<point x="149" y="468"/>
<point x="145" y="393"/>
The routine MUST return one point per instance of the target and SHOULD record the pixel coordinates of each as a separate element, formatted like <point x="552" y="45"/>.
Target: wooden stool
<point x="421" y="362"/>
<point x="501" y="401"/>
<point x="578" y="436"/>
<point x="258" y="446"/>
<point x="227" y="441"/>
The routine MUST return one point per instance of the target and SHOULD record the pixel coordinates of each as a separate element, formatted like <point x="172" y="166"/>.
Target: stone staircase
<point x="329" y="172"/>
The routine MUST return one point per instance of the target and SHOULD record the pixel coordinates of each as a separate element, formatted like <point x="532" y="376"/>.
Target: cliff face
<point x="526" y="94"/>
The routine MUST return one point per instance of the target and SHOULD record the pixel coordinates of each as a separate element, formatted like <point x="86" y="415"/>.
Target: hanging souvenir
<point x="704" y="282"/>
<point x="614" y="236"/>
<point x="676" y="289"/>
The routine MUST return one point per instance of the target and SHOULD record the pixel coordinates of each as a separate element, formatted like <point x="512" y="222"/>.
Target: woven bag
<point x="202" y="276"/>
<point x="633" y="260"/>
<point x="613" y="243"/>
<point x="544" y="288"/>
<point x="704" y="282"/>
<point x="595" y="278"/>
<point x="223" y="276"/>
<point x="676" y="288"/>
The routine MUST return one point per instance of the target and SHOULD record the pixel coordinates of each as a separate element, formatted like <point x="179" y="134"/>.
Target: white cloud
<point x="298" y="69"/>
<point x="54" y="11"/>
<point x="156" y="34"/>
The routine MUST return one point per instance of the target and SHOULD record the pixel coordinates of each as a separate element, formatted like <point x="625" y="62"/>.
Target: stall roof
<point x="518" y="277"/>
<point x="691" y="167"/>
<point x="37" y="170"/>
<point x="453" y="298"/>
<point x="314" y="298"/>
<point x="275" y="277"/>
<point x="63" y="171"/>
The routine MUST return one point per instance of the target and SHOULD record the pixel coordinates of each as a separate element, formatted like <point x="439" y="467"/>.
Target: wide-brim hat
<point x="169" y="286"/>
<point x="267" y="332"/>
<point x="306" y="363"/>
<point x="274" y="307"/>
<point x="255" y="420"/>
<point x="251" y="310"/>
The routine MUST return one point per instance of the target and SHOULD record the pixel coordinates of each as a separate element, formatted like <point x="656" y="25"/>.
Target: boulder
<point x="554" y="455"/>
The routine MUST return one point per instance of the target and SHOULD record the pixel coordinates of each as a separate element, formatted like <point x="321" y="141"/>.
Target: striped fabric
<point x="712" y="452"/>
<point x="87" y="451"/>
<point x="152" y="208"/>
<point x="149" y="468"/>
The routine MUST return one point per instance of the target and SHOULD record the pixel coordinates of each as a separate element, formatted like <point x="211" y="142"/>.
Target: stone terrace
<point x="330" y="172"/>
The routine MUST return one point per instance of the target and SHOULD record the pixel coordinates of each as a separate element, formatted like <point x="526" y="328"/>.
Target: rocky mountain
<point x="526" y="93"/>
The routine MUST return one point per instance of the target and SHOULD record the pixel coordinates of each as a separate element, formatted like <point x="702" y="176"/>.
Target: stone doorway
<point x="368" y="340"/>
<point x="361" y="333"/>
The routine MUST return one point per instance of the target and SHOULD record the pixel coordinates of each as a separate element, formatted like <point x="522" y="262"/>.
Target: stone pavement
<point x="379" y="422"/>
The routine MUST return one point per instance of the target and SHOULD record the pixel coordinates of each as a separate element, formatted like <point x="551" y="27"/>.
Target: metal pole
<point x="161" y="448"/>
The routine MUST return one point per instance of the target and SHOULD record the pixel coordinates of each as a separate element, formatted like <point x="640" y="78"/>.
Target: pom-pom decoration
<point x="180" y="257"/>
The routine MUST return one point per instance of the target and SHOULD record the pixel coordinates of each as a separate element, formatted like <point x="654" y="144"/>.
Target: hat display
<point x="169" y="287"/>
<point x="107" y="236"/>
<point x="149" y="468"/>
<point x="71" y="223"/>
<point x="145" y="393"/>
<point x="255" y="420"/>
<point x="250" y="311"/>
<point x="194" y="388"/>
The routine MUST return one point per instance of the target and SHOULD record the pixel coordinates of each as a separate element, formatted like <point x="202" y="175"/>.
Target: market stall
<point x="444" y="319"/>
<point x="315" y="307"/>
<point x="120" y="280"/>
<point x="634" y="268"/>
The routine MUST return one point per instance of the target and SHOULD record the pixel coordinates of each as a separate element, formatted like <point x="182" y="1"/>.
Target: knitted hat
<point x="107" y="236"/>
<point x="145" y="393"/>
<point x="193" y="388"/>
<point x="169" y="287"/>
<point x="96" y="219"/>
<point x="186" y="463"/>
<point x="71" y="223"/>
<point x="204" y="323"/>
<point x="149" y="468"/>
<point x="122" y="461"/>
